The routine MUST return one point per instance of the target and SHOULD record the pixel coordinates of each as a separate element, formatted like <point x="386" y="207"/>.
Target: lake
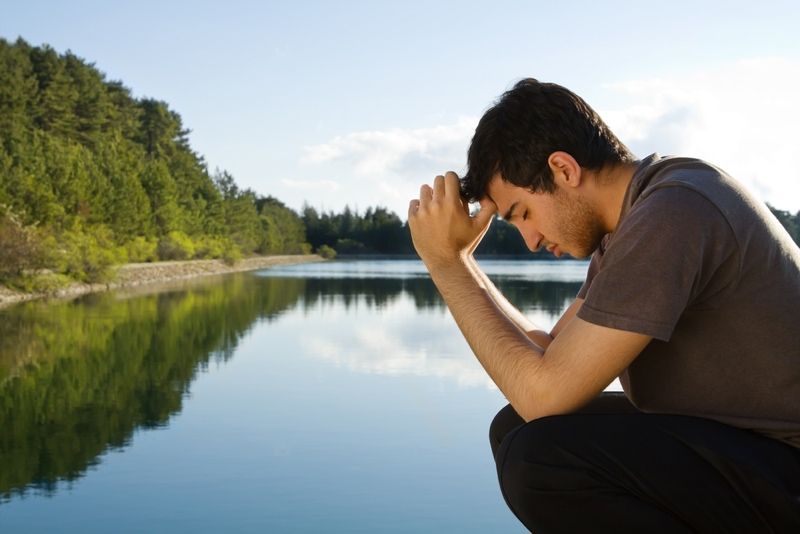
<point x="330" y="397"/>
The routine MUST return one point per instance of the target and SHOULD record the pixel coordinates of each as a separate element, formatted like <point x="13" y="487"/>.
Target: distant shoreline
<point x="544" y="256"/>
<point x="139" y="274"/>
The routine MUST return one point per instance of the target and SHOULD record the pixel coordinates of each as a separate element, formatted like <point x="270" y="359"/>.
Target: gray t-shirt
<point x="706" y="270"/>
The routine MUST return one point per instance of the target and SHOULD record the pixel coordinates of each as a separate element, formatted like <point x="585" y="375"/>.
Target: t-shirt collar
<point x="638" y="182"/>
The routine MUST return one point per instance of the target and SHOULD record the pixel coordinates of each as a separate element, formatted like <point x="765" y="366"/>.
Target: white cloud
<point x="398" y="152"/>
<point x="741" y="116"/>
<point x="377" y="350"/>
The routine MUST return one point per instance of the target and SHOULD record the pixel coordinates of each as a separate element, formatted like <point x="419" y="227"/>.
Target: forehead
<point x="504" y="194"/>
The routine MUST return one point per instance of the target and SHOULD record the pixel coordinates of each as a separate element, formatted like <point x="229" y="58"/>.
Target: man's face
<point x="562" y="222"/>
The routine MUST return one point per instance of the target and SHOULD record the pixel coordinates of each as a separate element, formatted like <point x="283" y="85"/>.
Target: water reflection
<point x="78" y="378"/>
<point x="547" y="296"/>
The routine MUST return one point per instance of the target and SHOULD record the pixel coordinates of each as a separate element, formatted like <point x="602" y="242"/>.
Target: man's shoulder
<point x="672" y="179"/>
<point x="687" y="173"/>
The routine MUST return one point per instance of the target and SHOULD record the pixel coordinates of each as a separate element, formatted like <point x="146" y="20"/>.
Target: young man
<point x="690" y="300"/>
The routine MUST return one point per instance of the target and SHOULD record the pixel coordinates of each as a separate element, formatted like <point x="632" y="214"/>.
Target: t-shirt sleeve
<point x="594" y="267"/>
<point x="663" y="254"/>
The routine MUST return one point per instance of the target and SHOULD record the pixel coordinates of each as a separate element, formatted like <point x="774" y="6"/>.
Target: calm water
<point x="333" y="397"/>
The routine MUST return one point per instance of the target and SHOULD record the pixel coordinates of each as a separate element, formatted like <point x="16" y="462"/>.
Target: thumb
<point x="487" y="211"/>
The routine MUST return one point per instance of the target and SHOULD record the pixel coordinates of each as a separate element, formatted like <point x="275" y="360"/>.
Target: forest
<point x="91" y="177"/>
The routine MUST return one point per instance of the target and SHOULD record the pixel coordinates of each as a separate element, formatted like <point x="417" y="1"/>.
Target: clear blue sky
<point x="360" y="102"/>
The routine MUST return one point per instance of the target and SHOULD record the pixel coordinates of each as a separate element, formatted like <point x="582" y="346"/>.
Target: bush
<point x="141" y="249"/>
<point x="232" y="253"/>
<point x="20" y="247"/>
<point x="88" y="254"/>
<point x="326" y="252"/>
<point x="209" y="247"/>
<point x="41" y="282"/>
<point x="350" y="246"/>
<point x="175" y="246"/>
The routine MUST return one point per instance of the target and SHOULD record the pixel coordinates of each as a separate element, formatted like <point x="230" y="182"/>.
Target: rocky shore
<point x="139" y="274"/>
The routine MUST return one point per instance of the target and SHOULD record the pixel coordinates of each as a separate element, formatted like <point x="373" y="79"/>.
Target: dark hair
<point x="531" y="121"/>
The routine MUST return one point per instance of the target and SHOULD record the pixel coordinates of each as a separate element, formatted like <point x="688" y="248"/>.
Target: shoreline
<point x="141" y="274"/>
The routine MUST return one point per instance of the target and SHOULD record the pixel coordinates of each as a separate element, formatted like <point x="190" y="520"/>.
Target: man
<point x="690" y="300"/>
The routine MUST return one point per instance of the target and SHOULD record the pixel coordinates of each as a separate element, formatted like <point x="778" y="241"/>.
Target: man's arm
<point x="580" y="362"/>
<point x="535" y="334"/>
<point x="577" y="365"/>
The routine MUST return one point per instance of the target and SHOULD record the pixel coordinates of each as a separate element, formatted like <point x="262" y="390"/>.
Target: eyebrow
<point x="510" y="211"/>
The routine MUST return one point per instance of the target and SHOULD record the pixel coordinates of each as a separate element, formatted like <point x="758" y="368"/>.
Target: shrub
<point x="141" y="249"/>
<point x="326" y="252"/>
<point x="88" y="254"/>
<point x="41" y="282"/>
<point x="20" y="247"/>
<point x="350" y="246"/>
<point x="175" y="246"/>
<point x="232" y="253"/>
<point x="210" y="247"/>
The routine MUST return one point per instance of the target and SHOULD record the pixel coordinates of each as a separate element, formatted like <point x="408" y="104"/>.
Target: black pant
<point x="611" y="468"/>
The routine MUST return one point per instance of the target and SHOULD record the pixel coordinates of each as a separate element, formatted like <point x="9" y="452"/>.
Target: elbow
<point x="529" y="414"/>
<point x="533" y="408"/>
<point x="541" y="402"/>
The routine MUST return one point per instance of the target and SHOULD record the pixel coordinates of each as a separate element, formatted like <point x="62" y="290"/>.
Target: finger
<point x="438" y="187"/>
<point x="425" y="193"/>
<point x="413" y="207"/>
<point x="452" y="185"/>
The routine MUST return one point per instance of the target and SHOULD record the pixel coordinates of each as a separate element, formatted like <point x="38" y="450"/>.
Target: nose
<point x="533" y="239"/>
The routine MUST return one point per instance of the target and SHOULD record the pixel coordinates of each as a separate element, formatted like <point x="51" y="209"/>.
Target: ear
<point x="566" y="171"/>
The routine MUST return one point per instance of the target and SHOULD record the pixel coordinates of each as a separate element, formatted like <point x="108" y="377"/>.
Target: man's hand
<point x="441" y="227"/>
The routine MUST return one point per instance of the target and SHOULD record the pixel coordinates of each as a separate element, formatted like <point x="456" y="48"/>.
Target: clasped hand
<point x="441" y="227"/>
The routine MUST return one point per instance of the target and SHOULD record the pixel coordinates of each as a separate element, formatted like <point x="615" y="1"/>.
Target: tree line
<point x="91" y="177"/>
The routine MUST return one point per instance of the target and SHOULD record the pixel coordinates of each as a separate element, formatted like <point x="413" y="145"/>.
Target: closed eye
<point x="525" y="215"/>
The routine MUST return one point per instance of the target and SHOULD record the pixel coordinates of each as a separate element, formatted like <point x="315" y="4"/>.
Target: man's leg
<point x="507" y="419"/>
<point x="601" y="471"/>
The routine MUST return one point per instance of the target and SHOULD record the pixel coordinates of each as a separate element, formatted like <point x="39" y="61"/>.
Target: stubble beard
<point x="582" y="229"/>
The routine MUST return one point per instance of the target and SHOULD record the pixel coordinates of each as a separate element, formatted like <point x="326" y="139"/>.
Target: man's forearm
<point x="538" y="336"/>
<point x="509" y="357"/>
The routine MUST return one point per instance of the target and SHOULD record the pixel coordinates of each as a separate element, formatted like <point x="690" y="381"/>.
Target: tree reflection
<point x="78" y="378"/>
<point x="380" y="292"/>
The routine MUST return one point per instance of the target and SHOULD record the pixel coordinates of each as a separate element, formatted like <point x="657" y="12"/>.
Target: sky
<point x="358" y="103"/>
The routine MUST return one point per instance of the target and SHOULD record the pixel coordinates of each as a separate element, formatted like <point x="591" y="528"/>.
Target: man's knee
<point x="536" y="468"/>
<point x="503" y="423"/>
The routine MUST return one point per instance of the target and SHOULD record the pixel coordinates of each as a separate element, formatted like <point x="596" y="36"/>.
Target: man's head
<point x="518" y="134"/>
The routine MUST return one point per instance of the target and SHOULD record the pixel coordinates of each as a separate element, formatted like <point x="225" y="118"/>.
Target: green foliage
<point x="142" y="249"/>
<point x="40" y="282"/>
<point x="240" y="213"/>
<point x="21" y="248"/>
<point x="210" y="247"/>
<point x="350" y="246"/>
<point x="83" y="158"/>
<point x="326" y="252"/>
<point x="377" y="231"/>
<point x="283" y="231"/>
<point x="88" y="254"/>
<point x="231" y="253"/>
<point x="175" y="246"/>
